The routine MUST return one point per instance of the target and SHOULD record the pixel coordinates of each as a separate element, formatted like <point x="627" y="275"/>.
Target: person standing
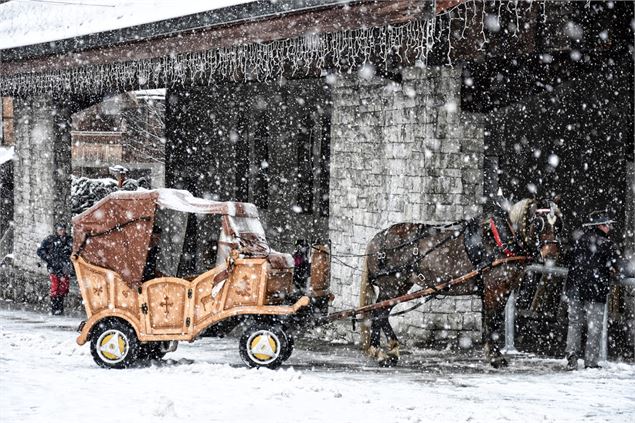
<point x="594" y="257"/>
<point x="55" y="251"/>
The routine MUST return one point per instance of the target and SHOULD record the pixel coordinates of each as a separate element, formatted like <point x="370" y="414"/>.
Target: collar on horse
<point x="495" y="225"/>
<point x="497" y="238"/>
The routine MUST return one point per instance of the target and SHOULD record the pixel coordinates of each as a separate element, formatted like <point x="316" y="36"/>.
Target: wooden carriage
<point x="146" y="285"/>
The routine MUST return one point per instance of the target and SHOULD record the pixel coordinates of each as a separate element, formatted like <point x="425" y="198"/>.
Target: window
<point x="261" y="164"/>
<point x="304" y="166"/>
<point x="242" y="163"/>
<point x="313" y="166"/>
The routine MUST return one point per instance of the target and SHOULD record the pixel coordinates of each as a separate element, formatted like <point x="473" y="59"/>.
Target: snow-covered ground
<point x="46" y="377"/>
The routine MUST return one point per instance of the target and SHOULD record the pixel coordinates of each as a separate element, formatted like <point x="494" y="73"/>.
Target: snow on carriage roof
<point x="184" y="201"/>
<point x="175" y="199"/>
<point x="27" y="22"/>
<point x="6" y="154"/>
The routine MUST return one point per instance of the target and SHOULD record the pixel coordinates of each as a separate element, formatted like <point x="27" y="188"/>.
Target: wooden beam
<point x="364" y="14"/>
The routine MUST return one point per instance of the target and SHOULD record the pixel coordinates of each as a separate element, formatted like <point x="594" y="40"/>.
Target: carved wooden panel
<point x="166" y="299"/>
<point x="279" y="285"/>
<point x="96" y="287"/>
<point x="208" y="294"/>
<point x="246" y="284"/>
<point x="126" y="298"/>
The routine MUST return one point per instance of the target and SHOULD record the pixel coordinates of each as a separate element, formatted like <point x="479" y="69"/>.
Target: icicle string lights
<point x="340" y="52"/>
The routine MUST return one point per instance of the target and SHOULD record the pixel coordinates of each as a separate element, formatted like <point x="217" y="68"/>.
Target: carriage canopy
<point x="115" y="233"/>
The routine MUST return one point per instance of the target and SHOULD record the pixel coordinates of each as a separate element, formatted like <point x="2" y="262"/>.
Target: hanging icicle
<point x="341" y="52"/>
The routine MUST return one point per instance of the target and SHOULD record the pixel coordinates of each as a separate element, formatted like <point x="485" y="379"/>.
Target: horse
<point x="406" y="254"/>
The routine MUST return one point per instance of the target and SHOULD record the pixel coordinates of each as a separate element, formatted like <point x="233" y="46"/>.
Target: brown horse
<point x="406" y="254"/>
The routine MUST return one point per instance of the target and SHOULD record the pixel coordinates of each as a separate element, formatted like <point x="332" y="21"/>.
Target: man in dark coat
<point x="55" y="251"/>
<point x="594" y="258"/>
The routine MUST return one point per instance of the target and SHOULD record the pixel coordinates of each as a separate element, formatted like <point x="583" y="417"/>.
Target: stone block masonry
<point x="403" y="152"/>
<point x="41" y="195"/>
<point x="42" y="175"/>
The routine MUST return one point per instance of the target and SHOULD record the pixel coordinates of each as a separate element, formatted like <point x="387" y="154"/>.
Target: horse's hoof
<point x="388" y="361"/>
<point x="376" y="353"/>
<point x="393" y="350"/>
<point x="498" y="362"/>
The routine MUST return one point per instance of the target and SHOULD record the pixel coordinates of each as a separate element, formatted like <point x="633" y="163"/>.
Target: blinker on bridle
<point x="540" y="225"/>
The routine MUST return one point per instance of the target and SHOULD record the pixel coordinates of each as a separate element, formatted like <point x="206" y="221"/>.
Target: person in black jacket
<point x="594" y="258"/>
<point x="55" y="251"/>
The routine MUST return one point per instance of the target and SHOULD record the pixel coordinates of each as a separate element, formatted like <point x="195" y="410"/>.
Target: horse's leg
<point x="393" y="343"/>
<point x="366" y="297"/>
<point x="494" y="301"/>
<point x="374" y="349"/>
<point x="383" y="323"/>
<point x="375" y="330"/>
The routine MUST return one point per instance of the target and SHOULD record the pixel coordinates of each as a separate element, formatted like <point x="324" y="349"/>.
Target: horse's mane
<point x="518" y="214"/>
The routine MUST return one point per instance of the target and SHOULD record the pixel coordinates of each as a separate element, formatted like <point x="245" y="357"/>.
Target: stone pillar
<point x="42" y="174"/>
<point x="403" y="153"/>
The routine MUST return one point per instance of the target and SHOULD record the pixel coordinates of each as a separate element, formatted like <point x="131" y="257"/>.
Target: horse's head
<point x="538" y="224"/>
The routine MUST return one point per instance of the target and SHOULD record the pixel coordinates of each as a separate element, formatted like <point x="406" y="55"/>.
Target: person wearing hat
<point x="55" y="251"/>
<point x="121" y="173"/>
<point x="594" y="257"/>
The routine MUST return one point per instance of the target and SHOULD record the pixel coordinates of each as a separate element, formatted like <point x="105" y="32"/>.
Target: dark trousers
<point x="59" y="290"/>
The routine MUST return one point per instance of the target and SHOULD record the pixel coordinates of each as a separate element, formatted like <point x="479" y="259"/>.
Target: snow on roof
<point x="178" y="200"/>
<point x="184" y="201"/>
<point x="6" y="154"/>
<point x="27" y="22"/>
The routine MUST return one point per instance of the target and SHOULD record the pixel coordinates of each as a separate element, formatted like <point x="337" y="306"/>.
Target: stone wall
<point x="403" y="152"/>
<point x="41" y="175"/>
<point x="41" y="189"/>
<point x="23" y="286"/>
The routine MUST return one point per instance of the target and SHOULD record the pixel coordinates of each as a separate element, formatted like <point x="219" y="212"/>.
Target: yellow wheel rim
<point x="112" y="346"/>
<point x="263" y="347"/>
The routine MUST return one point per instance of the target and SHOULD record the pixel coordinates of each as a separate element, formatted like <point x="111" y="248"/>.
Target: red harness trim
<point x="497" y="238"/>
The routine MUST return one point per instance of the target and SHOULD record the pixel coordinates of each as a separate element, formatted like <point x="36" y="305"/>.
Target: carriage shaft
<point x="425" y="292"/>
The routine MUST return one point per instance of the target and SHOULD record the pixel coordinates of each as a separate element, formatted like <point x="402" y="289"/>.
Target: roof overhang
<point x="231" y="15"/>
<point x="251" y="41"/>
<point x="211" y="29"/>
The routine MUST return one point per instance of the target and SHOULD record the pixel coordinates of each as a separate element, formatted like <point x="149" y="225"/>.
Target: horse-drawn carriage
<point x="158" y="267"/>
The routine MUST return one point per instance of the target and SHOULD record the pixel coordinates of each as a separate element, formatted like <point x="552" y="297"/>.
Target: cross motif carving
<point x="98" y="290"/>
<point x="167" y="305"/>
<point x="125" y="293"/>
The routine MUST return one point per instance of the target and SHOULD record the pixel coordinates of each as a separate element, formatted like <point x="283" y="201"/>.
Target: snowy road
<point x="46" y="377"/>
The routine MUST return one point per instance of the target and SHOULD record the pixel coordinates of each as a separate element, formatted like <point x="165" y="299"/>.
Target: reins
<point x="442" y="287"/>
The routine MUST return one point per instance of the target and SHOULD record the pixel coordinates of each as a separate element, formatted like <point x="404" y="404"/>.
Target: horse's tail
<point x="366" y="297"/>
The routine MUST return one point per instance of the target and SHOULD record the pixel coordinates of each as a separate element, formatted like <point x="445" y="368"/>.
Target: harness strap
<point x="412" y="265"/>
<point x="497" y="238"/>
<point x="424" y="230"/>
<point x="425" y="292"/>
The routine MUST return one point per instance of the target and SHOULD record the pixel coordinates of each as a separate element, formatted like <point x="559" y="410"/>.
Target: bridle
<point x="542" y="218"/>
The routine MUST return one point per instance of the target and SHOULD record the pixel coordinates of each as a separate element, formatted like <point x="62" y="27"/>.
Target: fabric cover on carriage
<point x="115" y="232"/>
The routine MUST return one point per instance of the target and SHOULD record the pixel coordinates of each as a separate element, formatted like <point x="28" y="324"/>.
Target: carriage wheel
<point x="264" y="345"/>
<point x="289" y="349"/>
<point x="114" y="344"/>
<point x="151" y="351"/>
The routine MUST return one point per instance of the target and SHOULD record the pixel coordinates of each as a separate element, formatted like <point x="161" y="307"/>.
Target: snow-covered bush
<point x="86" y="191"/>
